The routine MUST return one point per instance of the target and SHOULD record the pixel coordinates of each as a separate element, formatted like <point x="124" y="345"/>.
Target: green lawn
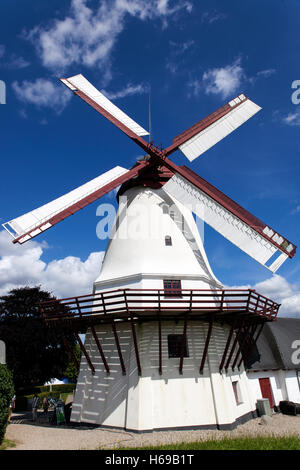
<point x="6" y="444"/>
<point x="256" y="443"/>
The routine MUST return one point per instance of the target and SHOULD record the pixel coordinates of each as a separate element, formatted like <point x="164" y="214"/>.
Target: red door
<point x="266" y="390"/>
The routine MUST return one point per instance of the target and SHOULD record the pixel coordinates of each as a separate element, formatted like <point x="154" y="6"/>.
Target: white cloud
<point x="212" y="16"/>
<point x="194" y="88"/>
<point x="87" y="35"/>
<point x="278" y="289"/>
<point x="224" y="80"/>
<point x="296" y="210"/>
<point x="266" y="73"/>
<point x="180" y="48"/>
<point x="16" y="62"/>
<point x="21" y="265"/>
<point x="42" y="93"/>
<point x="127" y="91"/>
<point x="292" y="119"/>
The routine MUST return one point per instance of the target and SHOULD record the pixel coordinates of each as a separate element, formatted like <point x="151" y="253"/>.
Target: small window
<point x="237" y="393"/>
<point x="168" y="240"/>
<point x="172" y="288"/>
<point x="175" y="346"/>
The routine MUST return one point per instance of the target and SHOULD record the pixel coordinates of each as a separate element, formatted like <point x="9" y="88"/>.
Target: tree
<point x="34" y="353"/>
<point x="71" y="372"/>
<point x="6" y="394"/>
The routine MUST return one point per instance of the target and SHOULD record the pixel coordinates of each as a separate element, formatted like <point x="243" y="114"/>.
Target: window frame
<point x="171" y="291"/>
<point x="237" y="392"/>
<point x="175" y="341"/>
<point x="168" y="240"/>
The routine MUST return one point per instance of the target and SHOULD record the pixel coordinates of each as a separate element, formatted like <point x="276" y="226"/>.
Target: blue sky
<point x="195" y="56"/>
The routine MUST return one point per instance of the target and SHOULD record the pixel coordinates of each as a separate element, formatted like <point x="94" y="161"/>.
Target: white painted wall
<point x="155" y="401"/>
<point x="137" y="255"/>
<point x="152" y="401"/>
<point x="284" y="384"/>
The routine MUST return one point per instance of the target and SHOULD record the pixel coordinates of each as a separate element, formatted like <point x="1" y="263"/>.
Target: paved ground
<point x="43" y="436"/>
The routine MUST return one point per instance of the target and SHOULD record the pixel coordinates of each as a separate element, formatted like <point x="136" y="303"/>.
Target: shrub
<point x="22" y="401"/>
<point x="6" y="394"/>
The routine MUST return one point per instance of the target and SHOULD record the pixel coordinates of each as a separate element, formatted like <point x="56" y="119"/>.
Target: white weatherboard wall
<point x="154" y="401"/>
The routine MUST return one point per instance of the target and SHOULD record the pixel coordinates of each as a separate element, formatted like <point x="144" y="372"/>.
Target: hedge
<point x="64" y="388"/>
<point x="6" y="394"/>
<point x="43" y="391"/>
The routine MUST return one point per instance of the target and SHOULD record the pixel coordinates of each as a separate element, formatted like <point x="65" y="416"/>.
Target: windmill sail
<point x="83" y="88"/>
<point x="232" y="221"/>
<point x="210" y="130"/>
<point x="32" y="223"/>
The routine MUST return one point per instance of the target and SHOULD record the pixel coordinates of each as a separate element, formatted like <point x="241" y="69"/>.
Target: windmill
<point x="163" y="335"/>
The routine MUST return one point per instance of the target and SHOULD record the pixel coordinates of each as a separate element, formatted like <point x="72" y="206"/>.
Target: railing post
<point x="103" y="303"/>
<point x="183" y="344"/>
<point x="159" y="346"/>
<point x="78" y="307"/>
<point x="222" y="300"/>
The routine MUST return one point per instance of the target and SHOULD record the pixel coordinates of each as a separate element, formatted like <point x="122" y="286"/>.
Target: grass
<point x="291" y="442"/>
<point x="6" y="444"/>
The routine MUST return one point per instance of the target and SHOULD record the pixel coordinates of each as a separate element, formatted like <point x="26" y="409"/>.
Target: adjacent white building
<point x="274" y="366"/>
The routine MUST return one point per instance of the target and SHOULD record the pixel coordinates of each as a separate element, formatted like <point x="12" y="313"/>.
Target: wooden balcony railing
<point x="142" y="303"/>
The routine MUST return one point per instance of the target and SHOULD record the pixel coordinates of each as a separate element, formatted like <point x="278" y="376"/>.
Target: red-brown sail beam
<point x="229" y="204"/>
<point x="200" y="126"/>
<point x="72" y="209"/>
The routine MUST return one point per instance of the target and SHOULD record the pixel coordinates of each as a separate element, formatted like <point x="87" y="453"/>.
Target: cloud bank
<point x="277" y="288"/>
<point x="21" y="265"/>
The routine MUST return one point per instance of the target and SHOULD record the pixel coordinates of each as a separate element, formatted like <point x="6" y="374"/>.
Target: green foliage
<point x="65" y="388"/>
<point x="34" y="352"/>
<point x="272" y="442"/>
<point x="7" y="444"/>
<point x="6" y="394"/>
<point x="62" y="390"/>
<point x="71" y="372"/>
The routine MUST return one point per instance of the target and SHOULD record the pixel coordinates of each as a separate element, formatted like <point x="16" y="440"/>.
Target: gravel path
<point x="31" y="436"/>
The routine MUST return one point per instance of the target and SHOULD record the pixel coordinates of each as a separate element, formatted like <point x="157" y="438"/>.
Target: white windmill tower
<point x="165" y="342"/>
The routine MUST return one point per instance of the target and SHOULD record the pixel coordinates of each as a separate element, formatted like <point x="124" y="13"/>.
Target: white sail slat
<point x="225" y="222"/>
<point x="215" y="132"/>
<point x="79" y="82"/>
<point x="37" y="220"/>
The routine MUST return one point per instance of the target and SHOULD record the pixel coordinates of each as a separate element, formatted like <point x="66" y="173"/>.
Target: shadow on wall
<point x="105" y="398"/>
